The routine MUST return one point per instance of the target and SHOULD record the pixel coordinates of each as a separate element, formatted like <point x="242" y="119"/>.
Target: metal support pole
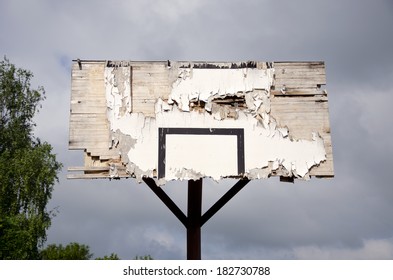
<point x="194" y="219"/>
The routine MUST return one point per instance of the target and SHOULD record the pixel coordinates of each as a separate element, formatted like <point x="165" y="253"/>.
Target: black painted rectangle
<point x="163" y="131"/>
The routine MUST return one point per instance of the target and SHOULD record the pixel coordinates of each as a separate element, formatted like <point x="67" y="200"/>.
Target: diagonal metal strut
<point x="166" y="200"/>
<point x="223" y="200"/>
<point x="208" y="214"/>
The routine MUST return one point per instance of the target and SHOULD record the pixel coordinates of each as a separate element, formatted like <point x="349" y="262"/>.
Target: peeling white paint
<point x="267" y="147"/>
<point x="113" y="172"/>
<point x="206" y="84"/>
<point x="118" y="92"/>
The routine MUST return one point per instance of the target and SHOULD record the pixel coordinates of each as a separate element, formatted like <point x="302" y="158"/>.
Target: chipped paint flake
<point x="118" y="92"/>
<point x="207" y="84"/>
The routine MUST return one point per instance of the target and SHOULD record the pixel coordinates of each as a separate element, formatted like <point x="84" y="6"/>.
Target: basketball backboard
<point x="173" y="120"/>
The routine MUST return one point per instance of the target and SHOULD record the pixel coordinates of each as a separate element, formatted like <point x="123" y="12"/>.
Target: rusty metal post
<point x="194" y="219"/>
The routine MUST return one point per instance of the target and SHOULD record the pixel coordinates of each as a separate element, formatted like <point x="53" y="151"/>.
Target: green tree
<point x="73" y="251"/>
<point x="28" y="169"/>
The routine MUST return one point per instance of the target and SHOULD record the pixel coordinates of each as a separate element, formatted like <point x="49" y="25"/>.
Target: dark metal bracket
<point x="194" y="220"/>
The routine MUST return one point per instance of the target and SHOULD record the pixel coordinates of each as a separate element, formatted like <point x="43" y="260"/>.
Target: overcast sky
<point x="348" y="217"/>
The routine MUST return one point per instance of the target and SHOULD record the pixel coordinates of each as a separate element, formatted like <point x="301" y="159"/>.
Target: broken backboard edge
<point x="295" y="81"/>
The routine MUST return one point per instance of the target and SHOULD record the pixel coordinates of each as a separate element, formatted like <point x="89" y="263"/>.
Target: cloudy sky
<point x="348" y="217"/>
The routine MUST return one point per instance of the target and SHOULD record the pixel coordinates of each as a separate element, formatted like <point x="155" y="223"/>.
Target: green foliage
<point x="146" y="257"/>
<point x="76" y="251"/>
<point x="28" y="169"/>
<point x="73" y="251"/>
<point x="113" y="256"/>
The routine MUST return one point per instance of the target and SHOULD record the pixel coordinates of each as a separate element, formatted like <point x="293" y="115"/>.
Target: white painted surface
<point x="262" y="145"/>
<point x="205" y="154"/>
<point x="118" y="93"/>
<point x="267" y="147"/>
<point x="204" y="84"/>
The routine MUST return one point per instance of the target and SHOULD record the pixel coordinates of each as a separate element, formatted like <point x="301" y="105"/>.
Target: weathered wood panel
<point x="304" y="115"/>
<point x="149" y="82"/>
<point x="298" y="102"/>
<point x="89" y="130"/>
<point x="291" y="77"/>
<point x="88" y="106"/>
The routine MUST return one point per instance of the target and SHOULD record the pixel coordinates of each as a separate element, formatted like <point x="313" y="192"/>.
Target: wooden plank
<point x="299" y="64"/>
<point x="291" y="80"/>
<point x="95" y="176"/>
<point x="302" y="99"/>
<point x="94" y="168"/>
<point x="299" y="114"/>
<point x="87" y="93"/>
<point x="80" y="124"/>
<point x="282" y="70"/>
<point x="301" y="108"/>
<point x="318" y="94"/>
<point x="88" y="132"/>
<point x="299" y="72"/>
<point x="296" y="109"/>
<point x="299" y="75"/>
<point x="84" y="107"/>
<point x="83" y="117"/>
<point x="297" y="84"/>
<point x="152" y="90"/>
<point x="86" y="136"/>
<point x="86" y="129"/>
<point x="90" y="142"/>
<point x="297" y="91"/>
<point x="110" y="156"/>
<point x="88" y="168"/>
<point x="82" y="144"/>
<point x="88" y="110"/>
<point x="89" y="103"/>
<point x="104" y="151"/>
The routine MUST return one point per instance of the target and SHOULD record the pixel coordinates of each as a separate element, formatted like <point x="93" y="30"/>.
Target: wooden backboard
<point x="174" y="120"/>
